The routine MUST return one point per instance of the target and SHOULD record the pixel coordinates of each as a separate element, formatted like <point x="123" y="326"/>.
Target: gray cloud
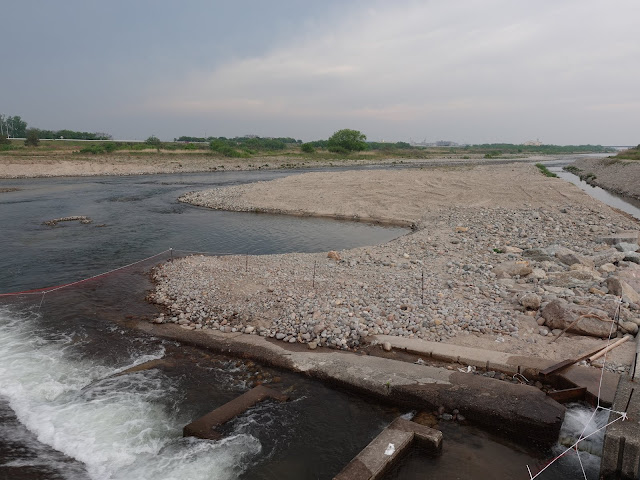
<point x="471" y="71"/>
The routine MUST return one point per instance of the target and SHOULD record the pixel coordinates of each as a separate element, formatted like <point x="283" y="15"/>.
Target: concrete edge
<point x="511" y="408"/>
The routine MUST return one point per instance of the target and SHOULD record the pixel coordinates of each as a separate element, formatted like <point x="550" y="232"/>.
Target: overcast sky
<point x="472" y="71"/>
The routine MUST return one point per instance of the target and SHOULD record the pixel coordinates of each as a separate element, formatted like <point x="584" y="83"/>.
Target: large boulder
<point x="620" y="288"/>
<point x="530" y="300"/>
<point x="631" y="275"/>
<point x="511" y="269"/>
<point x="632" y="257"/>
<point x="610" y="255"/>
<point x="627" y="247"/>
<point x="578" y="275"/>
<point x="539" y="254"/>
<point x="561" y="314"/>
<point x="569" y="257"/>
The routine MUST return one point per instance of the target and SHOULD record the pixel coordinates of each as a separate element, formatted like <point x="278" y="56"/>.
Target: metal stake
<point x="313" y="282"/>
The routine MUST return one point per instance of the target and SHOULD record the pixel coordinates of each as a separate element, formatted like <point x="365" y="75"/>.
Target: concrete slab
<point x="205" y="426"/>
<point x="521" y="412"/>
<point x="478" y="357"/>
<point x="621" y="452"/>
<point x="581" y="376"/>
<point x="384" y="450"/>
<point x="574" y="376"/>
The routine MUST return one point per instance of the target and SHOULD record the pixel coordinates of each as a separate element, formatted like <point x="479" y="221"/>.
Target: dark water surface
<point x="135" y="217"/>
<point x="67" y="413"/>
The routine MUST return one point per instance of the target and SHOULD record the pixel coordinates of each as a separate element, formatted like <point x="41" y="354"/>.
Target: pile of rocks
<point x="469" y="270"/>
<point x="79" y="218"/>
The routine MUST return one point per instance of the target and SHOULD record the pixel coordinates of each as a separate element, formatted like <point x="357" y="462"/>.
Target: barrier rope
<point x="42" y="291"/>
<point x="621" y="415"/>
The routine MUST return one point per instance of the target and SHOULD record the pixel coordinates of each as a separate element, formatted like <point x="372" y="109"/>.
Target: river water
<point x="66" y="413"/>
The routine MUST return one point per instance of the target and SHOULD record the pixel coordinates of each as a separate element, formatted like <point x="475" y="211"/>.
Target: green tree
<point x="13" y="126"/>
<point x="153" y="140"/>
<point x="18" y="126"/>
<point x="346" y="140"/>
<point x="32" y="139"/>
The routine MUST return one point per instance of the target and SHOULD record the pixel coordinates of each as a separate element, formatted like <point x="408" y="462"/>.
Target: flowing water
<point x="69" y="409"/>
<point x="626" y="204"/>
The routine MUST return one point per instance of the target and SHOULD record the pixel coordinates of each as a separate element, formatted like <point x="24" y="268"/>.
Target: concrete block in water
<point x="205" y="427"/>
<point x="377" y="457"/>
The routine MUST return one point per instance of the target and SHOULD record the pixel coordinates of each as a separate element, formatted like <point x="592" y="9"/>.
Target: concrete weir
<point x="205" y="427"/>
<point x="521" y="412"/>
<point x="384" y="450"/>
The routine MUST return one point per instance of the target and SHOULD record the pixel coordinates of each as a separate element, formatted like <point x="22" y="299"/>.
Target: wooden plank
<point x="565" y="363"/>
<point x="569" y="394"/>
<point x="610" y="347"/>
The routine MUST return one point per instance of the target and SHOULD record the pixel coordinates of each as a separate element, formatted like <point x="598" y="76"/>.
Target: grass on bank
<point x="545" y="171"/>
<point x="588" y="177"/>
<point x="630" y="154"/>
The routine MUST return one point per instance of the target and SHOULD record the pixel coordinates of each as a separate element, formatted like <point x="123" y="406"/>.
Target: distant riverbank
<point x="52" y="165"/>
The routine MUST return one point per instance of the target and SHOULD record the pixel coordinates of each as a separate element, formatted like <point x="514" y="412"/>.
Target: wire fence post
<point x="246" y="262"/>
<point x="313" y="281"/>
<point x="171" y="253"/>
<point x="422" y="287"/>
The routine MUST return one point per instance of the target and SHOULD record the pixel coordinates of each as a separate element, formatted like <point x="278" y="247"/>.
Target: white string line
<point x="87" y="279"/>
<point x="208" y="253"/>
<point x="623" y="415"/>
<point x="581" y="465"/>
<point x="604" y="362"/>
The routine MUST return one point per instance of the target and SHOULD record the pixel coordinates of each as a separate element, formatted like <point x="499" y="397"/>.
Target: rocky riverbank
<point x="613" y="174"/>
<point x="509" y="276"/>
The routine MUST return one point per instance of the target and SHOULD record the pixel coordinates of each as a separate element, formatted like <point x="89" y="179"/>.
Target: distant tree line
<point x="499" y="148"/>
<point x="71" y="134"/>
<point x="15" y="127"/>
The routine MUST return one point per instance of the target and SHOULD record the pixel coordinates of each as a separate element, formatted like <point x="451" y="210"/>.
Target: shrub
<point x="109" y="147"/>
<point x="307" y="148"/>
<point x="32" y="140"/>
<point x="153" y="141"/>
<point x="93" y="149"/>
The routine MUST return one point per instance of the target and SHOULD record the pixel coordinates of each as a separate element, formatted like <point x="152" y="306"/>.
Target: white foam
<point x="580" y="421"/>
<point x="121" y="427"/>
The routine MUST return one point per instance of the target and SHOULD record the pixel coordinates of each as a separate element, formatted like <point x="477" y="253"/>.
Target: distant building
<point x="533" y="143"/>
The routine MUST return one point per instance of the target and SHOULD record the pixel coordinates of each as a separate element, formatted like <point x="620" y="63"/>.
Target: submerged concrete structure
<point x="205" y="427"/>
<point x="390" y="445"/>
<point x="521" y="412"/>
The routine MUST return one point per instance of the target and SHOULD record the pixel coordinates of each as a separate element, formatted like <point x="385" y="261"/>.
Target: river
<point x="66" y="413"/>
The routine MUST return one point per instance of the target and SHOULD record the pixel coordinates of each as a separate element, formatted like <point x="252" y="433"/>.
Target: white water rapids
<point x="120" y="427"/>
